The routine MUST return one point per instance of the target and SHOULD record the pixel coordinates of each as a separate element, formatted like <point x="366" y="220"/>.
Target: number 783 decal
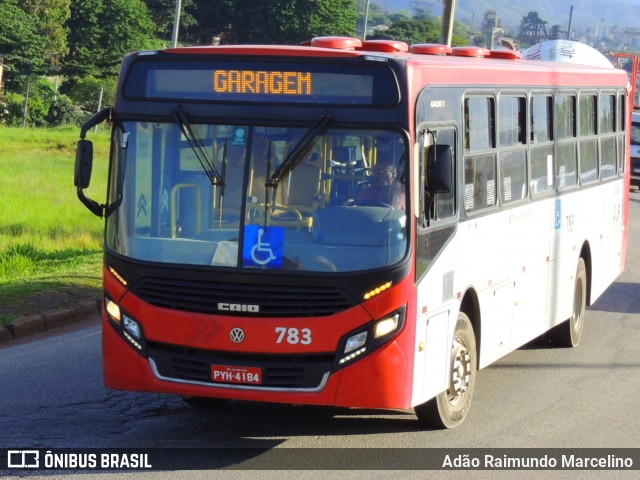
<point x="293" y="336"/>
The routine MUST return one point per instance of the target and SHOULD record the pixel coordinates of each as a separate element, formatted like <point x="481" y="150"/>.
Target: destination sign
<point x="261" y="81"/>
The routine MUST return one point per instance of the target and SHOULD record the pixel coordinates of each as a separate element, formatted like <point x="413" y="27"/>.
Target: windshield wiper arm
<point x="298" y="152"/>
<point x="198" y="148"/>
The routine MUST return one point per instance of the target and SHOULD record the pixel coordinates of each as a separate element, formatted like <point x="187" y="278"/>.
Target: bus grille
<point x="278" y="371"/>
<point x="272" y="300"/>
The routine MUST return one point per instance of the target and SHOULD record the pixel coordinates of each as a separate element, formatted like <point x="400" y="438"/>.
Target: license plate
<point x="236" y="374"/>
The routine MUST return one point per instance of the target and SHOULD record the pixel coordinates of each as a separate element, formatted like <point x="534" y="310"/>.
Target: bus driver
<point x="386" y="188"/>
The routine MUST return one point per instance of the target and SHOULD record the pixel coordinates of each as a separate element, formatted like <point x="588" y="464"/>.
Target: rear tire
<point x="449" y="408"/>
<point x="569" y="333"/>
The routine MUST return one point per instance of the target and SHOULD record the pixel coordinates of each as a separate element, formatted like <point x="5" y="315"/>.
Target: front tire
<point x="569" y="333"/>
<point x="449" y="408"/>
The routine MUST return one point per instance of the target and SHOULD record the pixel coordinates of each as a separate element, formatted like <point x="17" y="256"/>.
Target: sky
<point x="395" y="5"/>
<point x="586" y="13"/>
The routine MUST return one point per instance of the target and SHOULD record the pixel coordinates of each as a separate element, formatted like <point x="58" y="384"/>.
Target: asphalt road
<point x="52" y="397"/>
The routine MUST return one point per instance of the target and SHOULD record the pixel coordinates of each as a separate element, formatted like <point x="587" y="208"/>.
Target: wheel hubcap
<point x="577" y="306"/>
<point x="460" y="372"/>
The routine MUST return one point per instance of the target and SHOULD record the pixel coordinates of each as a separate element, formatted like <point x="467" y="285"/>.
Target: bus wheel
<point x="205" y="402"/>
<point x="569" y="333"/>
<point x="449" y="408"/>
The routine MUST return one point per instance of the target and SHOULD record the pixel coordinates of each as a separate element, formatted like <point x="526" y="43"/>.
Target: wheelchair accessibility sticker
<point x="263" y="246"/>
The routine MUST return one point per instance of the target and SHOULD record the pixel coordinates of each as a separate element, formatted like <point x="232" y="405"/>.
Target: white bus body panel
<point x="521" y="264"/>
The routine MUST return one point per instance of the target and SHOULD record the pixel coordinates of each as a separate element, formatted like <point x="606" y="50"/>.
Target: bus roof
<point x="494" y="62"/>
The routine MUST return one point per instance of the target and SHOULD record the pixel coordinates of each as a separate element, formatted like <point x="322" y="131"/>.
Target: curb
<point x="32" y="324"/>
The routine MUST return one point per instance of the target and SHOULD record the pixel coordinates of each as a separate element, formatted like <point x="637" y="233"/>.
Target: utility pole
<point x="569" y="28"/>
<point x="176" y="24"/>
<point x="447" y="21"/>
<point x="366" y="20"/>
<point x="26" y="104"/>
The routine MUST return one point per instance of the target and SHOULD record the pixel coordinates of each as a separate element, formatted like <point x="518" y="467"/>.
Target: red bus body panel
<point x="382" y="379"/>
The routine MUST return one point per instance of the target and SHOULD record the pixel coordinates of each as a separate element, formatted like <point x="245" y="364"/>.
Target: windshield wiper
<point x="198" y="148"/>
<point x="300" y="149"/>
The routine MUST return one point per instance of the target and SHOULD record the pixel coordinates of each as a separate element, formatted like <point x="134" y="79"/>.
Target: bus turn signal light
<point x="377" y="290"/>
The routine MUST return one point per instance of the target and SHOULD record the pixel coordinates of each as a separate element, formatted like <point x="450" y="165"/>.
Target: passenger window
<point x="608" y="155"/>
<point x="479" y="123"/>
<point x="566" y="147"/>
<point x="541" y="119"/>
<point x="541" y="144"/>
<point x="512" y="121"/>
<point x="621" y="127"/>
<point x="479" y="169"/>
<point x="541" y="169"/>
<point x="566" y="160"/>
<point x="565" y="116"/>
<point x="607" y="114"/>
<point x="608" y="145"/>
<point x="588" y="147"/>
<point x="513" y="175"/>
<point x="588" y="117"/>
<point x="479" y="182"/>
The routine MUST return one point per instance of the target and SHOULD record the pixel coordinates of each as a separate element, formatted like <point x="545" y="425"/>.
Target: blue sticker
<point x="558" y="214"/>
<point x="263" y="246"/>
<point x="240" y="137"/>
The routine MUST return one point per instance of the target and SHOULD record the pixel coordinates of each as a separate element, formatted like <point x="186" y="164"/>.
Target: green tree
<point x="412" y="31"/>
<point x="331" y="17"/>
<point x="51" y="17"/>
<point x="20" y="44"/>
<point x="162" y="14"/>
<point x="86" y="92"/>
<point x="291" y="21"/>
<point x="38" y="104"/>
<point x="212" y="20"/>
<point x="101" y="32"/>
<point x="419" y="31"/>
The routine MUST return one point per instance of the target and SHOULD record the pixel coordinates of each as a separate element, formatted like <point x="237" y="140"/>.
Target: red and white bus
<point x="347" y="223"/>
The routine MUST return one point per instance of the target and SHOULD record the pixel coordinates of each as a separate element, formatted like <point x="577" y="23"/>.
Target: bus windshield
<point x="338" y="205"/>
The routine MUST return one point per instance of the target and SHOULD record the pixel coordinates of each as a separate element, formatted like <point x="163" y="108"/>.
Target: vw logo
<point x="237" y="335"/>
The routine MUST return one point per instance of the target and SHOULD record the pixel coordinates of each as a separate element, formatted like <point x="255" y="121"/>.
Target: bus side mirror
<point x="440" y="169"/>
<point x="84" y="163"/>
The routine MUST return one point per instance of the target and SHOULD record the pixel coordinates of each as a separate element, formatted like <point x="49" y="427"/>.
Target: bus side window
<point x="479" y="182"/>
<point x="479" y="165"/>
<point x="542" y="175"/>
<point x="587" y="145"/>
<point x="621" y="127"/>
<point x="513" y="142"/>
<point x="566" y="141"/>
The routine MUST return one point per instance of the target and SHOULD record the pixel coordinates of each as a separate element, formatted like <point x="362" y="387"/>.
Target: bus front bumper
<point x="381" y="379"/>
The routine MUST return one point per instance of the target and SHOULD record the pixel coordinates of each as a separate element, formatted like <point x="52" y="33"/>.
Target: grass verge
<point x="50" y="244"/>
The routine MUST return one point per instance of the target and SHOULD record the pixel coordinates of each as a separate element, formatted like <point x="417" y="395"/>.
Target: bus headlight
<point x="356" y="341"/>
<point x="128" y="328"/>
<point x="386" y="326"/>
<point x="113" y="310"/>
<point x="368" y="338"/>
<point x="132" y="327"/>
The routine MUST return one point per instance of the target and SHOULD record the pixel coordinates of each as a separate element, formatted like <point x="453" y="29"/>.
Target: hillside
<point x="586" y="13"/>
